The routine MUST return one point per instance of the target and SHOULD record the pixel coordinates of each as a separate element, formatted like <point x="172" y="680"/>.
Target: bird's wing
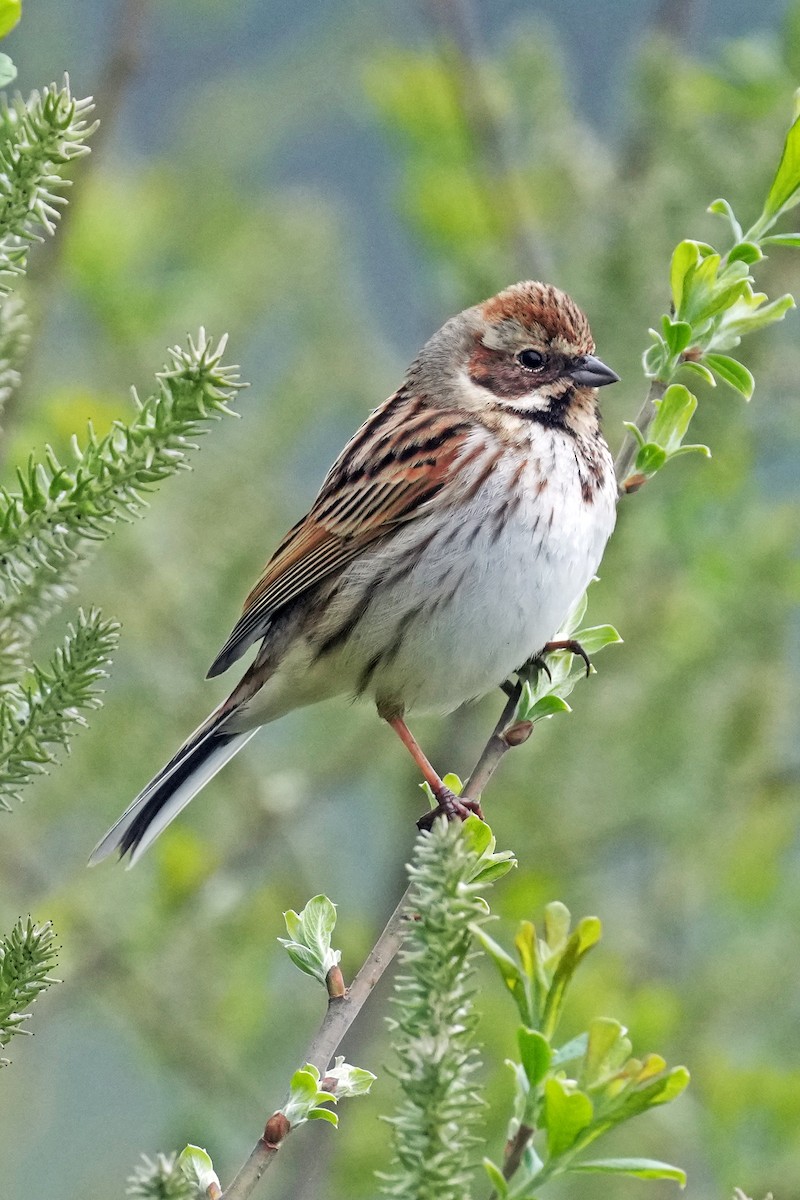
<point x="401" y="462"/>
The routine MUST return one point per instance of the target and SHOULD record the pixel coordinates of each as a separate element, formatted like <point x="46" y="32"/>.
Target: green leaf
<point x="10" y="13"/>
<point x="196" y="1164"/>
<point x="477" y="835"/>
<point x="723" y="208"/>
<point x="678" y="334"/>
<point x="566" y="1114"/>
<point x="571" y="1051"/>
<point x="535" y="1054"/>
<point x="654" y="359"/>
<point x="783" y="193"/>
<point x="525" y="943"/>
<point x="597" y="637"/>
<point x="454" y="782"/>
<point x="635" y="432"/>
<point x="309" y="941"/>
<point x="639" y="1168"/>
<point x="324" y="1114"/>
<point x="698" y="369"/>
<point x="586" y="935"/>
<point x="747" y="315"/>
<point x="547" y="706"/>
<point x="319" y="922"/>
<point x="8" y="72"/>
<point x="496" y="1178"/>
<point x="509" y="972"/>
<point x="685" y="257"/>
<point x="732" y="372"/>
<point x="674" y="412"/>
<point x="651" y="458"/>
<point x="781" y="239"/>
<point x="305" y="1096"/>
<point x="481" y="842"/>
<point x="636" y="1098"/>
<point x="557" y="921"/>
<point x="606" y="1050"/>
<point x="746" y="252"/>
<point x="347" y="1081"/>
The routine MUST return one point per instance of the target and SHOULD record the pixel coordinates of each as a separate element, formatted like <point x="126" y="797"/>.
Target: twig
<point x="494" y="749"/>
<point x="628" y="450"/>
<point x="343" y="1010"/>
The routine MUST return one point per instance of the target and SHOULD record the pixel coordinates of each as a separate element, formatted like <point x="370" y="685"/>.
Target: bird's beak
<point x="592" y="372"/>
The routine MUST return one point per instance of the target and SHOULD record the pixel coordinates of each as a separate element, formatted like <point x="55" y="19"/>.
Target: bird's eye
<point x="531" y="359"/>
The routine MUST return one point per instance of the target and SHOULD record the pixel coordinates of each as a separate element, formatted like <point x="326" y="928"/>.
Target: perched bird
<point x="446" y="545"/>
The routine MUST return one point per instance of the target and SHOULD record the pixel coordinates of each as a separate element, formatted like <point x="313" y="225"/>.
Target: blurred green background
<point x="328" y="184"/>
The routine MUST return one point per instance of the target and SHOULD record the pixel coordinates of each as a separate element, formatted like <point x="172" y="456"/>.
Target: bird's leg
<point x="574" y="647"/>
<point x="448" y="803"/>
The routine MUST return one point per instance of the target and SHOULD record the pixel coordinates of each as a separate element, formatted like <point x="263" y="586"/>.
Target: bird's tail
<point x="197" y="761"/>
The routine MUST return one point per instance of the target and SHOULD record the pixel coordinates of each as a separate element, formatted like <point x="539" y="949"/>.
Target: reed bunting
<point x="446" y="546"/>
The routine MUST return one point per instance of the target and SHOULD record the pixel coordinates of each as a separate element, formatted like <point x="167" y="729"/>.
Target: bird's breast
<point x="454" y="601"/>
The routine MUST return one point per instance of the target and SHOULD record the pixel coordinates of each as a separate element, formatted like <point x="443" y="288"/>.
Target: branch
<point x="629" y="448"/>
<point x="343" y="1010"/>
<point x="39" y="718"/>
<point x="61" y="507"/>
<point x="27" y="955"/>
<point x="39" y="138"/>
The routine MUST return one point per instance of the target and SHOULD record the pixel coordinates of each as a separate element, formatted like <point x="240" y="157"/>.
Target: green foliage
<point x="670" y="795"/>
<point x="59" y="507"/>
<point x="346" y="1081"/>
<point x="27" y="956"/>
<point x="39" y="717"/>
<point x="306" y="1096"/>
<point x="39" y="138"/>
<point x="10" y="13"/>
<point x="546" y="686"/>
<point x="161" y="1178"/>
<point x="433" y="1026"/>
<point x="568" y="1095"/>
<point x="196" y="1164"/>
<point x="713" y="307"/>
<point x="47" y="529"/>
<point x="309" y="942"/>
<point x="14" y="340"/>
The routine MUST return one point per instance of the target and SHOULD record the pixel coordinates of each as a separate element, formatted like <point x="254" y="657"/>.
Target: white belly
<point x="486" y="591"/>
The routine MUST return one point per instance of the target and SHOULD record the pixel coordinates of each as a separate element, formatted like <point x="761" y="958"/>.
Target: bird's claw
<point x="451" y="806"/>
<point x="539" y="662"/>
<point x="574" y="647"/>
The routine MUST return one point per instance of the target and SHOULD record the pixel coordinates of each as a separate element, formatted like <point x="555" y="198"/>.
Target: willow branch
<point x="343" y="1010"/>
<point x="629" y="448"/>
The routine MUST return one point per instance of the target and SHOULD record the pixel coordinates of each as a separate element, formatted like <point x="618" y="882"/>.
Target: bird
<point x="446" y="546"/>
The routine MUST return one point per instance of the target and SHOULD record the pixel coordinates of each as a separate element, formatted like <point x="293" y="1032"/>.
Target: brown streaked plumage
<point x="446" y="545"/>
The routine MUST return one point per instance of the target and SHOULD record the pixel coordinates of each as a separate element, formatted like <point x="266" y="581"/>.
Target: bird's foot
<point x="451" y="806"/>
<point x="574" y="647"/>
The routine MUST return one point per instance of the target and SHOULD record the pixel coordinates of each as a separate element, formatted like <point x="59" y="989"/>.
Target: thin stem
<point x="629" y="448"/>
<point x="494" y="749"/>
<point x="261" y="1156"/>
<point x="343" y="1010"/>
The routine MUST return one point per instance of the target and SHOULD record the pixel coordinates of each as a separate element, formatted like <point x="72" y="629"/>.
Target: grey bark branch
<point x="343" y="1010"/>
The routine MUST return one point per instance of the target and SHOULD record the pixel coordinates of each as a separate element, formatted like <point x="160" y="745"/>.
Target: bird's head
<point x="533" y="353"/>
